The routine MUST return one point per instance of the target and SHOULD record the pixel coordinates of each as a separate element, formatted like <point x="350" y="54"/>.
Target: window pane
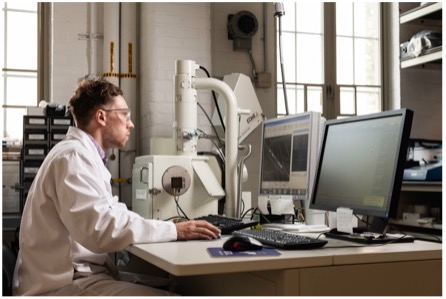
<point x="21" y="90"/>
<point x="344" y="60"/>
<point x="13" y="129"/>
<point x="357" y="62"/>
<point x="291" y="96"/>
<point x="314" y="98"/>
<point x="309" y="17"/>
<point x="300" y="107"/>
<point x="309" y="59"/>
<point x="19" y="51"/>
<point x="289" y="54"/>
<point x="21" y="43"/>
<point x="347" y="101"/>
<point x="289" y="18"/>
<point x="344" y="18"/>
<point x="367" y="66"/>
<point x="292" y="99"/>
<point x="367" y="19"/>
<point x="369" y="100"/>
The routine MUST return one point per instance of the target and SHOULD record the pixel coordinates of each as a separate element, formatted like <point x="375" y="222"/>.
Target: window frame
<point x="331" y="90"/>
<point x="43" y="10"/>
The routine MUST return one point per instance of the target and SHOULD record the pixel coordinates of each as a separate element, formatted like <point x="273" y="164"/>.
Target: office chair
<point x="9" y="260"/>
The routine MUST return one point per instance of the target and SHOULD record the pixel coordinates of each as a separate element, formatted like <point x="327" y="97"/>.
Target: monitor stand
<point x="373" y="233"/>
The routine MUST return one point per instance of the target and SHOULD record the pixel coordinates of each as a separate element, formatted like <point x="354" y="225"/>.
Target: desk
<point x="407" y="269"/>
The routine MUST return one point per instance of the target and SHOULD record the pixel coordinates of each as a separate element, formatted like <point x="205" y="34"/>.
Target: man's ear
<point x="100" y="117"/>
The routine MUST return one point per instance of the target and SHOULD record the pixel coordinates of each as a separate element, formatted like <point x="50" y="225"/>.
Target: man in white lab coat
<point x="71" y="221"/>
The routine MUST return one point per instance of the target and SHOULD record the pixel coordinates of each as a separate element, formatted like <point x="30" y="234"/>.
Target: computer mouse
<point x="242" y="243"/>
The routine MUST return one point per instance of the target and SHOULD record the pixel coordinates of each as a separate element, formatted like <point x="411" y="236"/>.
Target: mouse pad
<point x="220" y="252"/>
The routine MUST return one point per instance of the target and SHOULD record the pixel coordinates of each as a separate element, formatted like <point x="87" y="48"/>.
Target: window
<point x="19" y="21"/>
<point x="331" y="58"/>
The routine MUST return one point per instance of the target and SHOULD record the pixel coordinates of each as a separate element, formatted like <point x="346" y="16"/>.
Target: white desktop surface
<point x="393" y="269"/>
<point x="185" y="258"/>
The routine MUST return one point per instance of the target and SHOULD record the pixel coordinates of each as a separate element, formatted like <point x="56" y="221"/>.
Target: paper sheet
<point x="262" y="203"/>
<point x="279" y="206"/>
<point x="344" y="220"/>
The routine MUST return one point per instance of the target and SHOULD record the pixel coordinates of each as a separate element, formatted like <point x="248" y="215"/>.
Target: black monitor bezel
<point x="404" y="137"/>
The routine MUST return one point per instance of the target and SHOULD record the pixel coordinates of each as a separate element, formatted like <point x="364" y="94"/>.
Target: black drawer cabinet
<point x="40" y="134"/>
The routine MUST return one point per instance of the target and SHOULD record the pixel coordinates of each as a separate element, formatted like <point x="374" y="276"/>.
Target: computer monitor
<point x="361" y="165"/>
<point x="288" y="151"/>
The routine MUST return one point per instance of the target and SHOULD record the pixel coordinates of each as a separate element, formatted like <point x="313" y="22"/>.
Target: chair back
<point x="9" y="260"/>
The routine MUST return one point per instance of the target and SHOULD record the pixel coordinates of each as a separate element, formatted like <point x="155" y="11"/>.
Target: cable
<point x="212" y="126"/>
<point x="254" y="71"/>
<point x="247" y="211"/>
<point x="176" y="198"/>
<point x="240" y="204"/>
<point x="279" y="12"/>
<point x="220" y="153"/>
<point x="215" y="101"/>
<point x="260" y="214"/>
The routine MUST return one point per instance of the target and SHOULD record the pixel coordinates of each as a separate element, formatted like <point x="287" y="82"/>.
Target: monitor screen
<point x="287" y="144"/>
<point x="361" y="163"/>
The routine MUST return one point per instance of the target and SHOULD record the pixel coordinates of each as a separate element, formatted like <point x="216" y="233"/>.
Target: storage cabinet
<point x="40" y="134"/>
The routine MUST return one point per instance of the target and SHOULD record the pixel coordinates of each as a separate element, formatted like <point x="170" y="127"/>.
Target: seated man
<point x="71" y="221"/>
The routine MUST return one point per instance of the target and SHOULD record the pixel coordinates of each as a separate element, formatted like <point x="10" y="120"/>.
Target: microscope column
<point x="185" y="113"/>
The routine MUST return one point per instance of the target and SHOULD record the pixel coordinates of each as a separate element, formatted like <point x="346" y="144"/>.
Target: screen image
<point x="285" y="156"/>
<point x="277" y="159"/>
<point x="300" y="153"/>
<point x="361" y="163"/>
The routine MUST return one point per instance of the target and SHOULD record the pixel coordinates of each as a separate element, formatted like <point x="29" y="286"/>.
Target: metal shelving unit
<point x="428" y="11"/>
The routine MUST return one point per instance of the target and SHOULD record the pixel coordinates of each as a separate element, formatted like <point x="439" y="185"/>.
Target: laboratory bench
<point x="339" y="268"/>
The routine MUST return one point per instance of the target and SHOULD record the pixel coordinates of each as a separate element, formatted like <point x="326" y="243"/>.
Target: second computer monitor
<point x="289" y="152"/>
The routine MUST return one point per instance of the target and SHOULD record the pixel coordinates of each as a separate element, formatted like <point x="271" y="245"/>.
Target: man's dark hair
<point x="90" y="95"/>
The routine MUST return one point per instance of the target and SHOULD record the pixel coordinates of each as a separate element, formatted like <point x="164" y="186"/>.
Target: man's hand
<point x="196" y="229"/>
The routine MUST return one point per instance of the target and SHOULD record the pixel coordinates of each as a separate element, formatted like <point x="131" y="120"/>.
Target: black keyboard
<point x="227" y="225"/>
<point x="281" y="240"/>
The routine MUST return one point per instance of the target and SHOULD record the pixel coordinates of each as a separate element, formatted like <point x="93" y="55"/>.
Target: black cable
<point x="247" y="211"/>
<point x="260" y="214"/>
<point x="243" y="206"/>
<point x="212" y="125"/>
<point x="176" y="198"/>
<point x="215" y="101"/>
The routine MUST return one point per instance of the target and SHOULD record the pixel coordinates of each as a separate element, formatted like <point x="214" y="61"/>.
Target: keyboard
<point x="281" y="240"/>
<point x="227" y="225"/>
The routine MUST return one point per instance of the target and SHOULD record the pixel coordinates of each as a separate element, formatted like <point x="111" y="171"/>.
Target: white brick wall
<point x="70" y="60"/>
<point x="169" y="32"/>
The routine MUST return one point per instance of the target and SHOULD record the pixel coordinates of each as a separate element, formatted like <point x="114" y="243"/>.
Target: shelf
<point x="414" y="20"/>
<point x="435" y="54"/>
<point x="428" y="10"/>
<point x="421" y="186"/>
<point x="418" y="225"/>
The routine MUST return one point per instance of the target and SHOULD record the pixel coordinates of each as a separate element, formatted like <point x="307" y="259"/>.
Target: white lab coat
<point x="71" y="220"/>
